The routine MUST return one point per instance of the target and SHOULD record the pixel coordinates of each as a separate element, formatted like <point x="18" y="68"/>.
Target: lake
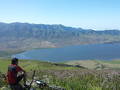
<point x="81" y="52"/>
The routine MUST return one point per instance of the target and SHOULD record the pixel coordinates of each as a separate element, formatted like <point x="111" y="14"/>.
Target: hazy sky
<point x="92" y="14"/>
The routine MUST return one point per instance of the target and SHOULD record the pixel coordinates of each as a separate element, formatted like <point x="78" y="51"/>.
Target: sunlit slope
<point x="29" y="65"/>
<point x="96" y="64"/>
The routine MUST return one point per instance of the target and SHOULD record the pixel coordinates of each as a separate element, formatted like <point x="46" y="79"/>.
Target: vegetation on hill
<point x="96" y="64"/>
<point x="70" y="78"/>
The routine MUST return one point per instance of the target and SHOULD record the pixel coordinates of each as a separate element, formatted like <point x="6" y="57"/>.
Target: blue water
<point x="81" y="52"/>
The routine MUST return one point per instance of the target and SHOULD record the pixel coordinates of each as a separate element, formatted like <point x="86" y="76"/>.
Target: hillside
<point x="96" y="64"/>
<point x="70" y="78"/>
<point x="17" y="37"/>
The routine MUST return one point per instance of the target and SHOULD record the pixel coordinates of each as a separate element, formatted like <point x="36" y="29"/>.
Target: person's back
<point x="12" y="74"/>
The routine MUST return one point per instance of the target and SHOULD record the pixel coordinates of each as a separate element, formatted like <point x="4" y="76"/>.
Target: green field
<point x="96" y="64"/>
<point x="98" y="75"/>
<point x="29" y="65"/>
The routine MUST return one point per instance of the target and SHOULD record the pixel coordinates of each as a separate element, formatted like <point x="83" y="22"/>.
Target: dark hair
<point x="14" y="60"/>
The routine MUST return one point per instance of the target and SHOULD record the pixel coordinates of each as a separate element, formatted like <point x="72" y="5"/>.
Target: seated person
<point x="12" y="75"/>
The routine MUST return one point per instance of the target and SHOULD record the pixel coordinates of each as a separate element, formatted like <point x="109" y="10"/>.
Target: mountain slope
<point x="17" y="37"/>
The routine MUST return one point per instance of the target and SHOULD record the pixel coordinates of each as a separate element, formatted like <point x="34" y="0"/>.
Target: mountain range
<point x="17" y="37"/>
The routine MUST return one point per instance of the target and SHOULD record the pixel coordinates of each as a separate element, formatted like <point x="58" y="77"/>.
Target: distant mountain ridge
<point x="24" y="36"/>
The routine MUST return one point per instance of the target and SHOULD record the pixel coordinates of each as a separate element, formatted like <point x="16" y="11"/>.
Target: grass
<point x="91" y="64"/>
<point x="85" y="79"/>
<point x="29" y="65"/>
<point x="96" y="64"/>
<point x="112" y="62"/>
<point x="70" y="78"/>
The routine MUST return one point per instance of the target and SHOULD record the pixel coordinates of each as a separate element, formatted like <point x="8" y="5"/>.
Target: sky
<point x="87" y="14"/>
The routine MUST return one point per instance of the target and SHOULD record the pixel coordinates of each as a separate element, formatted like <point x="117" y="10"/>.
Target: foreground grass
<point x="71" y="78"/>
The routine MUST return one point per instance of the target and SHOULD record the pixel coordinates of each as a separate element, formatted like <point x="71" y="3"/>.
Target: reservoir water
<point x="81" y="52"/>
